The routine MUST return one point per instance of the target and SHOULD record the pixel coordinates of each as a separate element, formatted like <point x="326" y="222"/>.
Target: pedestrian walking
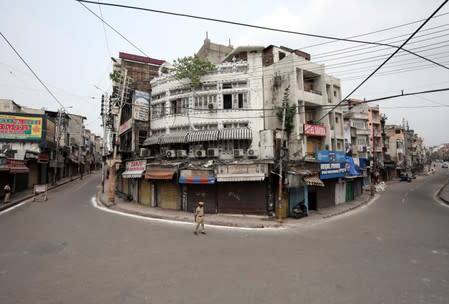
<point x="199" y="218"/>
<point x="7" y="190"/>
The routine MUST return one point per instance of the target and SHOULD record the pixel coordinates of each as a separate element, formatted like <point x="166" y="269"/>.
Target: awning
<point x="240" y="177"/>
<point x="154" y="140"/>
<point x="132" y="173"/>
<point x="202" y="135"/>
<point x="17" y="166"/>
<point x="166" y="174"/>
<point x="173" y="138"/>
<point x="198" y="180"/>
<point x="313" y="181"/>
<point x="235" y="133"/>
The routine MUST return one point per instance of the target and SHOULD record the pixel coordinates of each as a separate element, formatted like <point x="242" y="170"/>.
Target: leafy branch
<point x="290" y="111"/>
<point x="192" y="68"/>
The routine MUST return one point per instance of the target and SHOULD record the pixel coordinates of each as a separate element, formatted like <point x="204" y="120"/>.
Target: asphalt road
<point x="395" y="250"/>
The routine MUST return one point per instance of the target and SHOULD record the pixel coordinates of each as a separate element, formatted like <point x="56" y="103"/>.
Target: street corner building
<point x="222" y="142"/>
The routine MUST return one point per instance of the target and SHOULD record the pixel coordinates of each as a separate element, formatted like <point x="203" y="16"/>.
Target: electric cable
<point x="377" y="31"/>
<point x="252" y="26"/>
<point x="389" y="57"/>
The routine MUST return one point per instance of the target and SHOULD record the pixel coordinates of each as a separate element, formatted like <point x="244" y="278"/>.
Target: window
<point x="227" y="101"/>
<point x="336" y="119"/>
<point x="142" y="136"/>
<point x="281" y="55"/>
<point x="358" y="124"/>
<point x="227" y="85"/>
<point x="240" y="99"/>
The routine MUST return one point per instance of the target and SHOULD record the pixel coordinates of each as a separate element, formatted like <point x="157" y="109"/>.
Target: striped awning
<point x="198" y="180"/>
<point x="173" y="138"/>
<point x="240" y="177"/>
<point x="154" y="140"/>
<point x="202" y="135"/>
<point x="235" y="133"/>
<point x="313" y="181"/>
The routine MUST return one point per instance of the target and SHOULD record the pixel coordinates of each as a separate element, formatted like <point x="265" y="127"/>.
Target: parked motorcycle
<point x="300" y="210"/>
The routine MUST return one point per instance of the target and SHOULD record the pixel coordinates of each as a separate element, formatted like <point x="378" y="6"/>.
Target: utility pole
<point x="58" y="136"/>
<point x="112" y="169"/>
<point x="281" y="156"/>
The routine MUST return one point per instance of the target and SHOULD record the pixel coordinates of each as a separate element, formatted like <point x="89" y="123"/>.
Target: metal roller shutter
<point x="204" y="193"/>
<point x="144" y="192"/>
<point x="125" y="186"/>
<point x="167" y="193"/>
<point x="33" y="176"/>
<point x="242" y="197"/>
<point x="326" y="195"/>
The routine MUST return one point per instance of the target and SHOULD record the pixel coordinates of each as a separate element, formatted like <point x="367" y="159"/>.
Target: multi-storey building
<point x="396" y="147"/>
<point x="375" y="140"/>
<point x="357" y="133"/>
<point x="226" y="134"/>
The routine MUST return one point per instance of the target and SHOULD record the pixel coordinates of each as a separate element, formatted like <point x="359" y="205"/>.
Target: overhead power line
<point x="254" y="26"/>
<point x="37" y="77"/>
<point x="110" y="26"/>
<point x="389" y="57"/>
<point x="104" y="31"/>
<point x="32" y="71"/>
<point x="377" y="31"/>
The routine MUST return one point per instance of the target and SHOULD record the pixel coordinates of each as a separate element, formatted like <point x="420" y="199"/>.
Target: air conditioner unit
<point x="181" y="153"/>
<point x="213" y="152"/>
<point x="170" y="154"/>
<point x="238" y="153"/>
<point x="252" y="153"/>
<point x="200" y="153"/>
<point x="144" y="152"/>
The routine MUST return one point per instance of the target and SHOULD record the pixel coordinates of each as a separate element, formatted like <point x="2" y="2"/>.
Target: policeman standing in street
<point x="199" y="218"/>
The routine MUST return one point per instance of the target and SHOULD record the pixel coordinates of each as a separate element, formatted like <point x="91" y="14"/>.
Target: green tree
<point x="192" y="68"/>
<point x="290" y="111"/>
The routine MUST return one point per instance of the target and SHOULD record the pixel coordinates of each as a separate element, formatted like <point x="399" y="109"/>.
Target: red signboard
<point x="136" y="165"/>
<point x="314" y="130"/>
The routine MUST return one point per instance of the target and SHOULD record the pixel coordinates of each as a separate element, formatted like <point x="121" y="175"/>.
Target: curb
<point x="350" y="209"/>
<point x="439" y="192"/>
<point x="220" y="223"/>
<point x="27" y="197"/>
<point x="185" y="220"/>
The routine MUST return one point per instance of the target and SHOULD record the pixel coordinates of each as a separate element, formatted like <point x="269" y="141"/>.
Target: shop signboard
<point x="332" y="170"/>
<point x="314" y="130"/>
<point x="136" y="165"/>
<point x="20" y="127"/>
<point x="125" y="126"/>
<point x="51" y="131"/>
<point x="327" y="156"/>
<point x="141" y="105"/>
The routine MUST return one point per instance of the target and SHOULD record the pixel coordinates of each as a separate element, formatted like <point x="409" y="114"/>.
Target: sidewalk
<point x="24" y="195"/>
<point x="247" y="221"/>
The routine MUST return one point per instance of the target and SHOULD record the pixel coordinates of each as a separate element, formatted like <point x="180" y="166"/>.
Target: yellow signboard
<point x="20" y="127"/>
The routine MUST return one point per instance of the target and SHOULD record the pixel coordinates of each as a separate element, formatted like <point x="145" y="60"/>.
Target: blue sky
<point x="66" y="46"/>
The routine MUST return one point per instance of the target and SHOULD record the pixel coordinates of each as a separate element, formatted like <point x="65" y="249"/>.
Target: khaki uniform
<point x="7" y="191"/>
<point x="199" y="218"/>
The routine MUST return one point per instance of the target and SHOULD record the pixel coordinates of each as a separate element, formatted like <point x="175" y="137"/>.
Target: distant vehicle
<point x="445" y="165"/>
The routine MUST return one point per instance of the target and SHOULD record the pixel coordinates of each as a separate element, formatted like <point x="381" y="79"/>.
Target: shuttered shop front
<point x="242" y="197"/>
<point x="202" y="193"/>
<point x="144" y="192"/>
<point x="167" y="195"/>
